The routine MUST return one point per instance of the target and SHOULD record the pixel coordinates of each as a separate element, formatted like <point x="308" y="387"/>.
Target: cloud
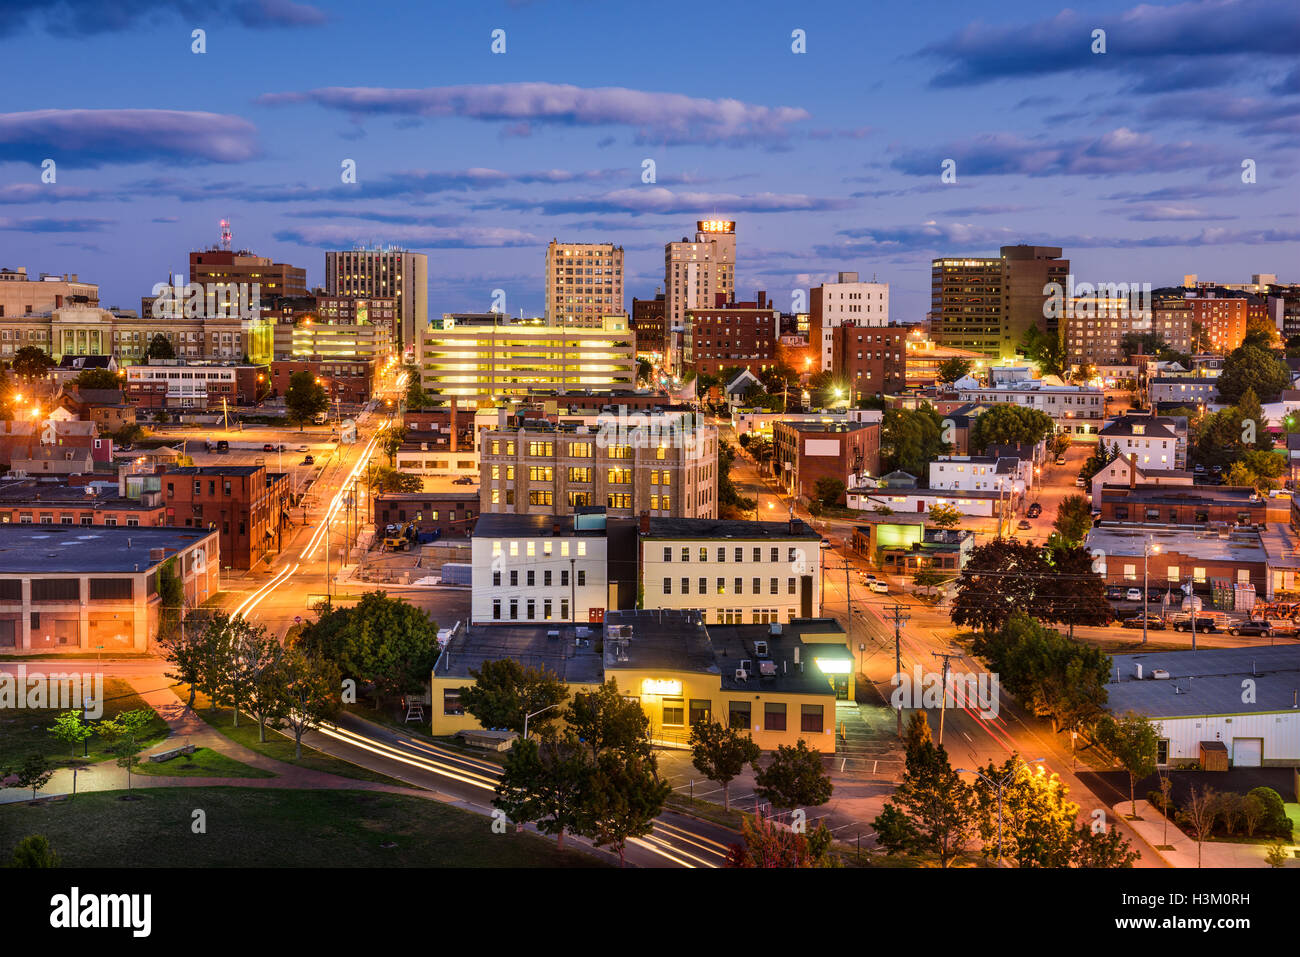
<point x="655" y="200"/>
<point x="1147" y="40"/>
<point x="1157" y="213"/>
<point x="22" y="193"/>
<point x="37" y="224"/>
<point x="337" y="235"/>
<point x="658" y="118"/>
<point x="953" y="238"/>
<point x="1214" y="110"/>
<point x="999" y="154"/>
<point x="984" y="210"/>
<point x="93" y="138"/>
<point x="90" y="17"/>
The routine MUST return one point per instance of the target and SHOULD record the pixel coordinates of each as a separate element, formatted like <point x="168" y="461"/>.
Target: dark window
<point x="11" y="589"/>
<point x="774" y="716"/>
<point x="451" y="701"/>
<point x="738" y="715"/>
<point x="56" y="589"/>
<point x="811" y="718"/>
<point x="111" y="589"/>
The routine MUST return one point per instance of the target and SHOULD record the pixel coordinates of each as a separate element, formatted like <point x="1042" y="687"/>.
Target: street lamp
<point x="1149" y="548"/>
<point x="533" y="715"/>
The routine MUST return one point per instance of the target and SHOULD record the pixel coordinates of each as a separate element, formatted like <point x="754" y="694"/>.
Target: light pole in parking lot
<point x="1149" y="548"/>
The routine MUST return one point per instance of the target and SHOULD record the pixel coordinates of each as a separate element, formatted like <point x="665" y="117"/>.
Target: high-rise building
<point x="695" y="274"/>
<point x="731" y="335"/>
<point x="987" y="304"/>
<point x="225" y="266"/>
<point x="584" y="283"/>
<point x="387" y="273"/>
<point x="846" y="300"/>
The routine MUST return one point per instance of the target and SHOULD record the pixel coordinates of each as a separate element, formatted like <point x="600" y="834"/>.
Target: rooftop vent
<point x="760" y="649"/>
<point x="1158" y="673"/>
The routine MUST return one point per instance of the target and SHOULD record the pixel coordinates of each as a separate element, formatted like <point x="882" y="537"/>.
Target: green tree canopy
<point x="795" y="777"/>
<point x="31" y="362"/>
<point x="160" y="347"/>
<point x="910" y="439"/>
<point x="305" y="398"/>
<point x="97" y="379"/>
<point x="1251" y="367"/>
<point x="505" y="691"/>
<point x="1045" y="350"/>
<point x="950" y="370"/>
<point x="1073" y="519"/>
<point x="720" y="754"/>
<point x="1004" y="424"/>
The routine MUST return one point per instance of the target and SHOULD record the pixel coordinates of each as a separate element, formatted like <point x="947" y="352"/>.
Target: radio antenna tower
<point x="225" y="234"/>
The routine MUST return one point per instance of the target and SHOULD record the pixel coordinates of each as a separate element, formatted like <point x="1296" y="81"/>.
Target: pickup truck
<point x="1182" y="621"/>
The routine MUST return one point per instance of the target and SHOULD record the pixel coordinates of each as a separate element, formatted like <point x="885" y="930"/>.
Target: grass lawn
<point x="203" y="763"/>
<point x="24" y="731"/>
<point x="276" y="746"/>
<point x="265" y="827"/>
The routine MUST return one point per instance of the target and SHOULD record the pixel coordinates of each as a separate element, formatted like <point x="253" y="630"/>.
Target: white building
<point x="540" y="568"/>
<point x="971" y="473"/>
<point x="1196" y="698"/>
<point x="1150" y="440"/>
<point x="695" y="274"/>
<point x="735" y="572"/>
<point x="847" y="299"/>
<point x="1077" y="410"/>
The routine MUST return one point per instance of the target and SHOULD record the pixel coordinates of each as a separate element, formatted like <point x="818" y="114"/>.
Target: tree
<point x="1276" y="822"/>
<point x="1010" y="424"/>
<point x="160" y="347"/>
<point x="35" y="772"/>
<point x="544" y="781"/>
<point x="910" y="439"/>
<point x="1045" y="350"/>
<point x="917" y="733"/>
<point x="171" y="599"/>
<point x="260" y="657"/>
<point x="1102" y="848"/>
<point x="31" y="362"/>
<point x="392" y="443"/>
<point x="768" y="844"/>
<point x="728" y="497"/>
<point x="622" y="798"/>
<point x="1036" y="820"/>
<point x="72" y="729"/>
<point x="1073" y="519"/>
<point x="608" y="720"/>
<point x="1077" y="594"/>
<point x="1141" y="343"/>
<point x="1134" y="741"/>
<point x="384" y="641"/>
<point x="1278" y="854"/>
<point x="945" y="515"/>
<point x="720" y="754"/>
<point x="829" y="491"/>
<point x="795" y="777"/>
<point x="305" y="398"/>
<point x="97" y="379"/>
<point x="505" y="691"/>
<point x="1052" y="676"/>
<point x="644" y="371"/>
<point x="1253" y="813"/>
<point x="998" y="578"/>
<point x="381" y="478"/>
<point x="927" y="578"/>
<point x="933" y="811"/>
<point x="185" y="650"/>
<point x="308" y="687"/>
<point x="34" y="851"/>
<point x="1250" y="367"/>
<point x="124" y="733"/>
<point x="416" y="397"/>
<point x="1199" y="814"/>
<point x="950" y="370"/>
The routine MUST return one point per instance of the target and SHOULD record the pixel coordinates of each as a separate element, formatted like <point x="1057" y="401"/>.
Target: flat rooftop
<point x="505" y="525"/>
<point x="79" y="549"/>
<point x="1206" y="682"/>
<point x="530" y="645"/>
<point x="728" y="528"/>
<point x="1240" y="546"/>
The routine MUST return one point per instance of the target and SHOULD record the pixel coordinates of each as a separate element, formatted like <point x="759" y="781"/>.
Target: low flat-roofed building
<point x="68" y="589"/>
<point x="1189" y="505"/>
<point x="449" y="514"/>
<point x="1178" y="556"/>
<point x="1196" y="698"/>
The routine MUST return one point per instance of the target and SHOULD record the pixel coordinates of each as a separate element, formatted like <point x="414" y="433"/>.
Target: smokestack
<point x="453" y="423"/>
<point x="645" y="523"/>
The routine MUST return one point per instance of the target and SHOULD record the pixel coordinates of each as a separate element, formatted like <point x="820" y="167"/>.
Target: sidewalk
<point x="1182" y="848"/>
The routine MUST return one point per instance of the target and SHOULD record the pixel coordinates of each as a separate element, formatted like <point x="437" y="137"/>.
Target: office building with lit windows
<point x="495" y="357"/>
<point x="696" y="273"/>
<point x="584" y="283"/>
<point x="387" y="273"/>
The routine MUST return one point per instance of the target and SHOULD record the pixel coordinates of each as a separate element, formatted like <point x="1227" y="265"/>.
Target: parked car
<point x="223" y="447"/>
<point x="1202" y="624"/>
<point x="1034" y="510"/>
<point x="1022" y="524"/>
<point x="1115" y="593"/>
<point x="1153" y="622"/>
<point x="463" y="480"/>
<point x="1060" y="460"/>
<point x="1133" y="594"/>
<point x="1261" y="628"/>
<point x="879" y="587"/>
<point x="1080" y="483"/>
<point x="303" y="448"/>
<point x="309" y="460"/>
<point x="867" y="577"/>
<point x="268" y="447"/>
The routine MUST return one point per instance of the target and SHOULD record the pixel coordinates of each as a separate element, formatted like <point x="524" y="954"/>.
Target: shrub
<point x="1275" y="822"/>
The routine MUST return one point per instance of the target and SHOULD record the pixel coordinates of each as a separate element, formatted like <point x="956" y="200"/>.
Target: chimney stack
<point x="453" y="423"/>
<point x="1132" y="470"/>
<point x="645" y="523"/>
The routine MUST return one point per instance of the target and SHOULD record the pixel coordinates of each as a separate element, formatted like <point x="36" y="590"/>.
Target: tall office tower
<point x="584" y="283"/>
<point x="987" y="305"/>
<point x="694" y="274"/>
<point x="222" y="272"/>
<point x="387" y="273"/>
<point x="846" y="300"/>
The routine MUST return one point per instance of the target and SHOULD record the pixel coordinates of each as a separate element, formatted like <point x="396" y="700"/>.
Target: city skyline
<point x="482" y="159"/>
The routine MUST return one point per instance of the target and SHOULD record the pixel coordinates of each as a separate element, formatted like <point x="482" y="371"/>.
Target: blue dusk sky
<point x="827" y="160"/>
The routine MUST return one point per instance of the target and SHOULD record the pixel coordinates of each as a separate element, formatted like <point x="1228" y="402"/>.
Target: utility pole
<point x="943" y="700"/>
<point x="898" y="618"/>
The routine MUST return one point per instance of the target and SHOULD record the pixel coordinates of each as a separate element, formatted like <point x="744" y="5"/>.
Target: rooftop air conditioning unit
<point x="760" y="649"/>
<point x="742" y="674"/>
<point x="774" y="628"/>
<point x="1159" y="674"/>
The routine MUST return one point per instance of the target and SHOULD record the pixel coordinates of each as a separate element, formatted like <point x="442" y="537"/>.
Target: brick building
<point x="450" y="514"/>
<point x="349" y="381"/>
<point x="808" y="451"/>
<point x="648" y="323"/>
<point x="246" y="505"/>
<point x="732" y="334"/>
<point x="175" y="384"/>
<point x="869" y="360"/>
